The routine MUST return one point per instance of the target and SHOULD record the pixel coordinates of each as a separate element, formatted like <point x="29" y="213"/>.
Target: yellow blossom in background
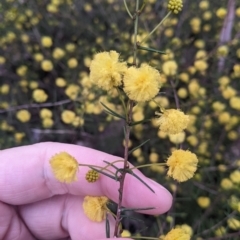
<point x="106" y="71"/>
<point x="72" y="91"/>
<point x="177" y="234"/>
<point x="68" y="116"/>
<point x="4" y="89"/>
<point x="172" y="121"/>
<point x="222" y="51"/>
<point x="125" y="233"/>
<point x="39" y="95"/>
<point x="221" y="231"/>
<point x="234" y="103"/>
<point x="203" y="202"/>
<point x="2" y="60"/>
<point x="233" y="223"/>
<point x="46" y="41"/>
<point x="175" y="6"/>
<point x="58" y="53"/>
<point x="38" y="57"/>
<point x="184" y="77"/>
<point x="199" y="44"/>
<point x="192" y="139"/>
<point x="33" y="85"/>
<point x="207" y="16"/>
<point x="95" y="208"/>
<point x="177" y="138"/>
<point x="22" y="70"/>
<point x="64" y="167"/>
<point x="204" y="4"/>
<point x="52" y="8"/>
<point x="72" y="63"/>
<point x="228" y="92"/>
<point x="70" y="47"/>
<point x="45" y="113"/>
<point x="224" y="117"/>
<point x="23" y="115"/>
<point x="47" y="122"/>
<point x="221" y="13"/>
<point x="153" y="157"/>
<point x="170" y="68"/>
<point x="141" y="84"/>
<point x="201" y="65"/>
<point x="46" y="65"/>
<point x="237" y="12"/>
<point x="182" y="165"/>
<point x="226" y="184"/>
<point x="60" y="82"/>
<point x="182" y="92"/>
<point x="235" y="176"/>
<point x="18" y="137"/>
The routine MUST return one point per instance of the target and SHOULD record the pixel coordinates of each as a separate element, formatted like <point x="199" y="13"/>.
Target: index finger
<point x="26" y="177"/>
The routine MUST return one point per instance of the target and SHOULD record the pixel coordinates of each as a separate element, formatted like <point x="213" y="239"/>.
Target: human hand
<point x="34" y="205"/>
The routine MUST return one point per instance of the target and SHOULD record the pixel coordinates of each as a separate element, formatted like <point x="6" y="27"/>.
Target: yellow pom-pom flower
<point x="58" y="53"/>
<point x="95" y="208"/>
<point x="72" y="63"/>
<point x="92" y="176"/>
<point x="175" y="6"/>
<point x="72" y="91"/>
<point x="142" y="84"/>
<point x="172" y="121"/>
<point x="46" y="41"/>
<point x="234" y="103"/>
<point x="203" y="202"/>
<point x="64" y="167"/>
<point x="23" y="115"/>
<point x="106" y="71"/>
<point x="39" y="95"/>
<point x="177" y="234"/>
<point x="170" y="68"/>
<point x="46" y="65"/>
<point x="60" y="82"/>
<point x="68" y="116"/>
<point x="182" y="165"/>
<point x="45" y="113"/>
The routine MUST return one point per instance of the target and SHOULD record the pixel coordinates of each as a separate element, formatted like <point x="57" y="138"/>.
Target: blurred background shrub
<point x="45" y="95"/>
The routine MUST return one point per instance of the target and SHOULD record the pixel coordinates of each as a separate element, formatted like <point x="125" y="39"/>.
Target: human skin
<point x="34" y="205"/>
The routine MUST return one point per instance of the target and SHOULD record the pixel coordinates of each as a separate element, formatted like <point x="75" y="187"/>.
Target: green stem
<point x="135" y="34"/>
<point x="144" y="39"/>
<point x="89" y="165"/>
<point x="149" y="165"/>
<point x="127" y="133"/>
<point x="110" y="164"/>
<point x="127" y="9"/>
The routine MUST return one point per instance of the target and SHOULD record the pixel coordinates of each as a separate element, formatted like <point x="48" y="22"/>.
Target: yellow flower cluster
<point x="182" y="165"/>
<point x="177" y="234"/>
<point x="140" y="84"/>
<point x="95" y="208"/>
<point x="175" y="6"/>
<point x="64" y="167"/>
<point x="172" y="121"/>
<point x="39" y="95"/>
<point x="23" y="115"/>
<point x="106" y="70"/>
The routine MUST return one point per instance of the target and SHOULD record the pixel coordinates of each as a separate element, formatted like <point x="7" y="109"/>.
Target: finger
<point x="26" y="176"/>
<point x="61" y="217"/>
<point x="11" y="226"/>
